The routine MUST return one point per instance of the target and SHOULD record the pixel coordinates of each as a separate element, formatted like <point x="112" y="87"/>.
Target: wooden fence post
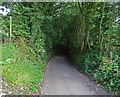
<point x="10" y="27"/>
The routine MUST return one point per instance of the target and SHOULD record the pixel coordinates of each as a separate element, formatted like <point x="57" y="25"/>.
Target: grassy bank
<point x="21" y="68"/>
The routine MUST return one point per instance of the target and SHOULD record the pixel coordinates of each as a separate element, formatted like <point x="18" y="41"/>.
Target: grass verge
<point x="20" y="69"/>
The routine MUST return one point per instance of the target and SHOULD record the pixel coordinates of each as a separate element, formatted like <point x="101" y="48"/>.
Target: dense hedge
<point x="103" y="71"/>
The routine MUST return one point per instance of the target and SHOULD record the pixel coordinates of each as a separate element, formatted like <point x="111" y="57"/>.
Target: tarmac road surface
<point x="62" y="78"/>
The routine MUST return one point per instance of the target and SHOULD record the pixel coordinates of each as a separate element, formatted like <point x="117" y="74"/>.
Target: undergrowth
<point x="105" y="72"/>
<point x="21" y="67"/>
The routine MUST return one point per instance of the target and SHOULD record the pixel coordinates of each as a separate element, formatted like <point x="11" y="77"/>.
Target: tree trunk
<point x="101" y="31"/>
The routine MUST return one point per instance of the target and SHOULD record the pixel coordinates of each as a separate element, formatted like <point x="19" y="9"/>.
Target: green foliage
<point x="3" y="35"/>
<point x="89" y="61"/>
<point x="103" y="71"/>
<point x="19" y="70"/>
<point x="88" y="29"/>
<point x="8" y="52"/>
<point x="91" y="58"/>
<point x="108" y="75"/>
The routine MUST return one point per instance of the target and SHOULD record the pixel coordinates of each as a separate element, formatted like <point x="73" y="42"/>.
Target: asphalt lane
<point x="62" y="78"/>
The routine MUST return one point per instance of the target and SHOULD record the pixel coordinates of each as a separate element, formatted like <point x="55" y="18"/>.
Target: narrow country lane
<point x="63" y="79"/>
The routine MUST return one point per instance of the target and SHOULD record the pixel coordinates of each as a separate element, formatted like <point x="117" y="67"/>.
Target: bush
<point x="108" y="76"/>
<point x="104" y="72"/>
<point x="88" y="61"/>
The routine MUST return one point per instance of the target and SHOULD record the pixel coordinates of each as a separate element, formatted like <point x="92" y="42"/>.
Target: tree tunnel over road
<point x="85" y="32"/>
<point x="60" y="49"/>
